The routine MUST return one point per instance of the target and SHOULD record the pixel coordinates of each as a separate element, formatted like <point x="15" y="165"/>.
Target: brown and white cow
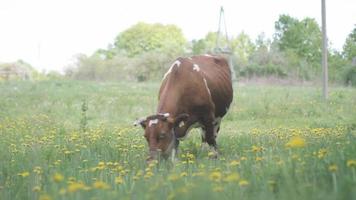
<point x="195" y="92"/>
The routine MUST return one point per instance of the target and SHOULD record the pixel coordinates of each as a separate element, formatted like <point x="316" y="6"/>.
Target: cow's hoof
<point x="213" y="153"/>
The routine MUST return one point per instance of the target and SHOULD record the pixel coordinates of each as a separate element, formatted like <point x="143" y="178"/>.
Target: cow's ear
<point x="180" y="118"/>
<point x="142" y="122"/>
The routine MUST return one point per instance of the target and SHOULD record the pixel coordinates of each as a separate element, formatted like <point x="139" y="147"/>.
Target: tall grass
<point x="275" y="143"/>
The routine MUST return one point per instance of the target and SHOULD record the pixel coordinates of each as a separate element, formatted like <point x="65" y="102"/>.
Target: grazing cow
<point x="195" y="92"/>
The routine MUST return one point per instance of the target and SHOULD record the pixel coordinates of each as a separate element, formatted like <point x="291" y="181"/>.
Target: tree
<point x="144" y="37"/>
<point x="242" y="47"/>
<point x="349" y="48"/>
<point x="303" y="37"/>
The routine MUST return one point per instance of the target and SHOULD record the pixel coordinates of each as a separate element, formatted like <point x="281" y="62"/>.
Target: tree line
<point x="145" y="51"/>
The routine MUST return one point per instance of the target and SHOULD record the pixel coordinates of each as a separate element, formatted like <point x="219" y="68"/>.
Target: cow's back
<point x="216" y="71"/>
<point x="212" y="73"/>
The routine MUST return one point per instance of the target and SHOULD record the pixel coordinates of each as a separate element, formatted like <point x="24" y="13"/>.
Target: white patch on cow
<point x="164" y="114"/>
<point x="196" y="67"/>
<point x="152" y="122"/>
<point x="208" y="55"/>
<point x="216" y="124"/>
<point x="206" y="85"/>
<point x="195" y="125"/>
<point x="203" y="133"/>
<point x="177" y="62"/>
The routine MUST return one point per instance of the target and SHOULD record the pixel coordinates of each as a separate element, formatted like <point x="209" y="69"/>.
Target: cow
<point x="195" y="92"/>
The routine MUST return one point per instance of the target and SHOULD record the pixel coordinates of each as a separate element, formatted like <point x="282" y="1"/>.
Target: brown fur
<point x="184" y="95"/>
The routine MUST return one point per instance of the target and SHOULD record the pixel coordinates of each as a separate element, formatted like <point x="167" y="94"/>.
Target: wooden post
<point x="324" y="59"/>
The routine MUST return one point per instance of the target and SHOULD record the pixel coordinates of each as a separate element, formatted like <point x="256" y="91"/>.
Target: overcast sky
<point x="48" y="33"/>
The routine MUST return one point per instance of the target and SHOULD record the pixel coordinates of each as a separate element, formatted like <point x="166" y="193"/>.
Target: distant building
<point x="14" y="71"/>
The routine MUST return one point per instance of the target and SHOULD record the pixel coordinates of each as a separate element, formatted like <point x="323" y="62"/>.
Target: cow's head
<point x="159" y="133"/>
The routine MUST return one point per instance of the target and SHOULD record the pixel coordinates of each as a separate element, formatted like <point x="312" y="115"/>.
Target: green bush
<point x="349" y="75"/>
<point x="263" y="70"/>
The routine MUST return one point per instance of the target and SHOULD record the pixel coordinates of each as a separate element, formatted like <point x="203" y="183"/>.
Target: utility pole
<point x="324" y="59"/>
<point x="227" y="49"/>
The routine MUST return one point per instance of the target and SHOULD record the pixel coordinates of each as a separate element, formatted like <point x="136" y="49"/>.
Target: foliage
<point x="144" y="37"/>
<point x="145" y="51"/>
<point x="349" y="48"/>
<point x="349" y="75"/>
<point x="275" y="143"/>
<point x="303" y="37"/>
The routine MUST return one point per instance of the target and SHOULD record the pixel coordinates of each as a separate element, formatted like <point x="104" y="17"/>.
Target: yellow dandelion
<point x="36" y="189"/>
<point x="296" y="142"/>
<point x="75" y="186"/>
<point x="351" y="163"/>
<point x="183" y="174"/>
<point x="119" y="180"/>
<point x="218" y="189"/>
<point x="24" y="174"/>
<point x="215" y="176"/>
<point x="57" y="177"/>
<point x="101" y="185"/>
<point x="256" y="149"/>
<point x="62" y="191"/>
<point x="233" y="177"/>
<point x="173" y="177"/>
<point x="45" y="197"/>
<point x="243" y="183"/>
<point x="234" y="163"/>
<point x="333" y="168"/>
<point x="258" y="159"/>
<point x="322" y="153"/>
<point x="243" y="158"/>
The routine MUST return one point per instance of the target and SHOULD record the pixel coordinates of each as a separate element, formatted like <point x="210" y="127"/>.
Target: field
<point x="75" y="140"/>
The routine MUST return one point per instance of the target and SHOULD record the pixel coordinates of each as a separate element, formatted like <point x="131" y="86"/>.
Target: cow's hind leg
<point x="204" y="144"/>
<point x="210" y="135"/>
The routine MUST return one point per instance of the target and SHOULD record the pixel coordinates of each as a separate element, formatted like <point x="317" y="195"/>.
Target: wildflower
<point x="173" y="177"/>
<point x="351" y="163"/>
<point x="243" y="158"/>
<point x="119" y="180"/>
<point x="101" y="185"/>
<point x="215" y="176"/>
<point x="234" y="163"/>
<point x="183" y="174"/>
<point x="148" y="174"/>
<point x="322" y="153"/>
<point x="232" y="177"/>
<point x="24" y="174"/>
<point x="37" y="170"/>
<point x="256" y="149"/>
<point x="75" y="186"/>
<point x="243" y="183"/>
<point x="296" y="142"/>
<point x="333" y="168"/>
<point x="259" y="159"/>
<point x="45" y="197"/>
<point x="62" y="191"/>
<point x="36" y="189"/>
<point x="218" y="189"/>
<point x="57" y="177"/>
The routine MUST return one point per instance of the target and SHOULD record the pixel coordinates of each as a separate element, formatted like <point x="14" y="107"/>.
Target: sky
<point x="48" y="34"/>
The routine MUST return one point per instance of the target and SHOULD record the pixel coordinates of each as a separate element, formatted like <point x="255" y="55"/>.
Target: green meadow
<point x="76" y="140"/>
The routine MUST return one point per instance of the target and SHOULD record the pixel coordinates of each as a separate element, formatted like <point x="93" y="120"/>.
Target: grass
<point x="276" y="143"/>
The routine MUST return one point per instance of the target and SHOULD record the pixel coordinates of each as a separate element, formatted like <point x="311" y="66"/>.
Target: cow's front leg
<point x="174" y="155"/>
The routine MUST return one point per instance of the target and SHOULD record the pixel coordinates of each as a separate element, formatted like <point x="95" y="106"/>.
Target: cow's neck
<point x="168" y="103"/>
